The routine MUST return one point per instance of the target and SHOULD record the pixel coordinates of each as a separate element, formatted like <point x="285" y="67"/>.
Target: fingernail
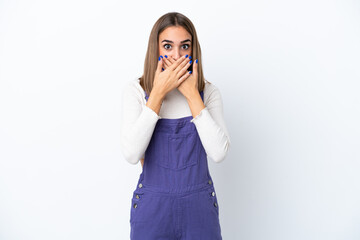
<point x="190" y="72"/>
<point x="165" y="56"/>
<point x="190" y="57"/>
<point x="186" y="56"/>
<point x="190" y="62"/>
<point x="161" y="56"/>
<point x="196" y="61"/>
<point x="162" y="69"/>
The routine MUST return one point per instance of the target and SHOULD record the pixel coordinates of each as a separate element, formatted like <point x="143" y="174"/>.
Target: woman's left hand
<point x="190" y="84"/>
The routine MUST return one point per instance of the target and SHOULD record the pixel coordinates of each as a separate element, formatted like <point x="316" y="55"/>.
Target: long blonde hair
<point x="151" y="59"/>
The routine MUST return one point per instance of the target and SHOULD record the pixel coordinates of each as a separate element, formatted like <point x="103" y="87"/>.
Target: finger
<point x="183" y="78"/>
<point x="184" y="68"/>
<point x="160" y="64"/>
<point x="165" y="66"/>
<point x="166" y="61"/>
<point x="183" y="63"/>
<point x="178" y="62"/>
<point x="195" y="66"/>
<point x="172" y="60"/>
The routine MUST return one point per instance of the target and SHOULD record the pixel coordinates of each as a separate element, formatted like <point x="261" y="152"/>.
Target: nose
<point x="176" y="54"/>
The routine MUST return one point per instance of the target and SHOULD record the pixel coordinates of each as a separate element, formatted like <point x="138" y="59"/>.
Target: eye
<point x="166" y="45"/>
<point x="187" y="46"/>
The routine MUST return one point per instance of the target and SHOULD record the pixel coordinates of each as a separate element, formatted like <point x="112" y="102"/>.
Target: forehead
<point x="175" y="34"/>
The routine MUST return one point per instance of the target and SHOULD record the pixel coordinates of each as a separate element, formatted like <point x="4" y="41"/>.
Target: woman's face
<point x="175" y="42"/>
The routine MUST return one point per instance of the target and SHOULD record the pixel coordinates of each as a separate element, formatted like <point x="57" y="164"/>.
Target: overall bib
<point x="175" y="196"/>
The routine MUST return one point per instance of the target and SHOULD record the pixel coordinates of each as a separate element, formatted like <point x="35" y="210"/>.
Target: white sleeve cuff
<point x="198" y="117"/>
<point x="150" y="112"/>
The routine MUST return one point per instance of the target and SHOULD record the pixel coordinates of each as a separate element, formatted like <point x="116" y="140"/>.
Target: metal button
<point x="135" y="205"/>
<point x="140" y="185"/>
<point x="210" y="182"/>
<point x="137" y="196"/>
<point x="215" y="204"/>
<point x="213" y="193"/>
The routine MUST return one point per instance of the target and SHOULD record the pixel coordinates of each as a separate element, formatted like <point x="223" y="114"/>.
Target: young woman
<point x="173" y="120"/>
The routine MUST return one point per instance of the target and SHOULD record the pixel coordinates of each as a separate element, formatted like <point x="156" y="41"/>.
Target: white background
<point x="288" y="72"/>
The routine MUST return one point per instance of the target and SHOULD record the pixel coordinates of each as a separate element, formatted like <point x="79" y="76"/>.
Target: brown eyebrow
<point x="187" y="40"/>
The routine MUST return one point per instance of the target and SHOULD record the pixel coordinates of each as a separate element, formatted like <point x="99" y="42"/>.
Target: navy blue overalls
<point x="175" y="195"/>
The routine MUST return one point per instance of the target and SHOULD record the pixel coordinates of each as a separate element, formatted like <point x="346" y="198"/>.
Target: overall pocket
<point x="183" y="151"/>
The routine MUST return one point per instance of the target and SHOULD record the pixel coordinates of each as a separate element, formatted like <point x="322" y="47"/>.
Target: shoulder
<point x="211" y="92"/>
<point x="209" y="86"/>
<point x="133" y="89"/>
<point x="133" y="84"/>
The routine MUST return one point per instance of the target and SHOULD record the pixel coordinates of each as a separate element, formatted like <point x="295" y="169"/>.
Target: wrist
<point x="192" y="93"/>
<point x="158" y="92"/>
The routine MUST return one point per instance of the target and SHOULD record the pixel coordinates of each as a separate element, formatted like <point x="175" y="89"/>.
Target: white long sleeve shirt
<point x="138" y="121"/>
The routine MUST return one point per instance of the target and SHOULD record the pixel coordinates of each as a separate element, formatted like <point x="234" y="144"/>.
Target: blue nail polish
<point x="196" y="61"/>
<point x="165" y="56"/>
<point x="190" y="57"/>
<point x="162" y="69"/>
<point x="190" y="62"/>
<point x="186" y="56"/>
<point x="190" y="72"/>
<point x="159" y="58"/>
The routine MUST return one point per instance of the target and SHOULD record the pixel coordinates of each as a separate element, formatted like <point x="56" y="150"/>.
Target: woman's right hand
<point x="165" y="81"/>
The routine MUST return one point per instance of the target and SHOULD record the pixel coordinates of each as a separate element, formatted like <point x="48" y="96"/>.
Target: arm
<point x="210" y="123"/>
<point x="137" y="122"/>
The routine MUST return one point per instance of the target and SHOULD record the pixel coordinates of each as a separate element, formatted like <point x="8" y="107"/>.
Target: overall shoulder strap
<point x="146" y="96"/>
